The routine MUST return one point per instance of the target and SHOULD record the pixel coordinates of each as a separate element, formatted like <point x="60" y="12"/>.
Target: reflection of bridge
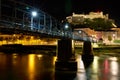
<point x="20" y="20"/>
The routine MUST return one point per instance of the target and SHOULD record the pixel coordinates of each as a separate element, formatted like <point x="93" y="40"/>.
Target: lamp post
<point x="33" y="14"/>
<point x="67" y="29"/>
<point x="66" y="26"/>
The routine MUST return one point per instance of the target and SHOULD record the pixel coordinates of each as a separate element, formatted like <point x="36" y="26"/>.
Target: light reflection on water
<point x="31" y="66"/>
<point x="41" y="67"/>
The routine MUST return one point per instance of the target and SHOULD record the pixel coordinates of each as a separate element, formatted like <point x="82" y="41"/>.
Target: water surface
<point x="42" y="67"/>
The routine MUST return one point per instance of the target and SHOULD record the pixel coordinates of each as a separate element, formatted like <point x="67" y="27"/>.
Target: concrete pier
<point x="87" y="53"/>
<point x="65" y="56"/>
<point x="87" y="48"/>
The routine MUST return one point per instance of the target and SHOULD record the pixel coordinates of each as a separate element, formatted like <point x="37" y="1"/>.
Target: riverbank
<point x="101" y="49"/>
<point x="18" y="48"/>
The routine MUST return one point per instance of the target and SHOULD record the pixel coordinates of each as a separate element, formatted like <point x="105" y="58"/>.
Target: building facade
<point x="79" y="18"/>
<point x="106" y="36"/>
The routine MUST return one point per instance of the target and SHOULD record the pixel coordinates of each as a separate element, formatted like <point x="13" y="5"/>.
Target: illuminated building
<point x="77" y="19"/>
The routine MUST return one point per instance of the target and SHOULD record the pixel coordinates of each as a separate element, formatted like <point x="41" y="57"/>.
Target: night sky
<point x="63" y="8"/>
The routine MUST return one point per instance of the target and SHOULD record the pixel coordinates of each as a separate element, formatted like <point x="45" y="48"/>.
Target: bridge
<point x="19" y="18"/>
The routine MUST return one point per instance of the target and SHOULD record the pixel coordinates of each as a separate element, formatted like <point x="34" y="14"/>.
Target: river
<point x="39" y="66"/>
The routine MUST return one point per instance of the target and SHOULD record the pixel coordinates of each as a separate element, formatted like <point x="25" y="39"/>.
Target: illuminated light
<point x="31" y="66"/>
<point x="39" y="56"/>
<point x="14" y="58"/>
<point x="114" y="35"/>
<point x="95" y="45"/>
<point x="79" y="32"/>
<point x="66" y="26"/>
<point x="114" y="25"/>
<point x="106" y="66"/>
<point x="54" y="59"/>
<point x="73" y="45"/>
<point x="14" y="55"/>
<point x="81" y="76"/>
<point x="113" y="58"/>
<point x="32" y="37"/>
<point x="80" y="66"/>
<point x="14" y="35"/>
<point x="25" y="41"/>
<point x="95" y="64"/>
<point x="34" y="13"/>
<point x="114" y="68"/>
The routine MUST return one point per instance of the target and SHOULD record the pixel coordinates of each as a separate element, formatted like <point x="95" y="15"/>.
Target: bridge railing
<point x="76" y="35"/>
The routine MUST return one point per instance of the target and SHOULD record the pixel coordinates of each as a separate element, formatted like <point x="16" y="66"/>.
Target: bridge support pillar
<point x="87" y="53"/>
<point x="65" y="56"/>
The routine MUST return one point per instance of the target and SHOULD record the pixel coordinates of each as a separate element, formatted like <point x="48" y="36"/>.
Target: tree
<point x="87" y="22"/>
<point x="100" y="24"/>
<point x="110" y="38"/>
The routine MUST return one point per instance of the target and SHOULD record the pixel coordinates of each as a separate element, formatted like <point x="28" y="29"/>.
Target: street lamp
<point x="66" y="26"/>
<point x="33" y="14"/>
<point x="66" y="29"/>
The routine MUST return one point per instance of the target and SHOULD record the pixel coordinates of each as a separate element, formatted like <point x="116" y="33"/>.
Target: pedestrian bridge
<point x="32" y="21"/>
<point x="22" y="19"/>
